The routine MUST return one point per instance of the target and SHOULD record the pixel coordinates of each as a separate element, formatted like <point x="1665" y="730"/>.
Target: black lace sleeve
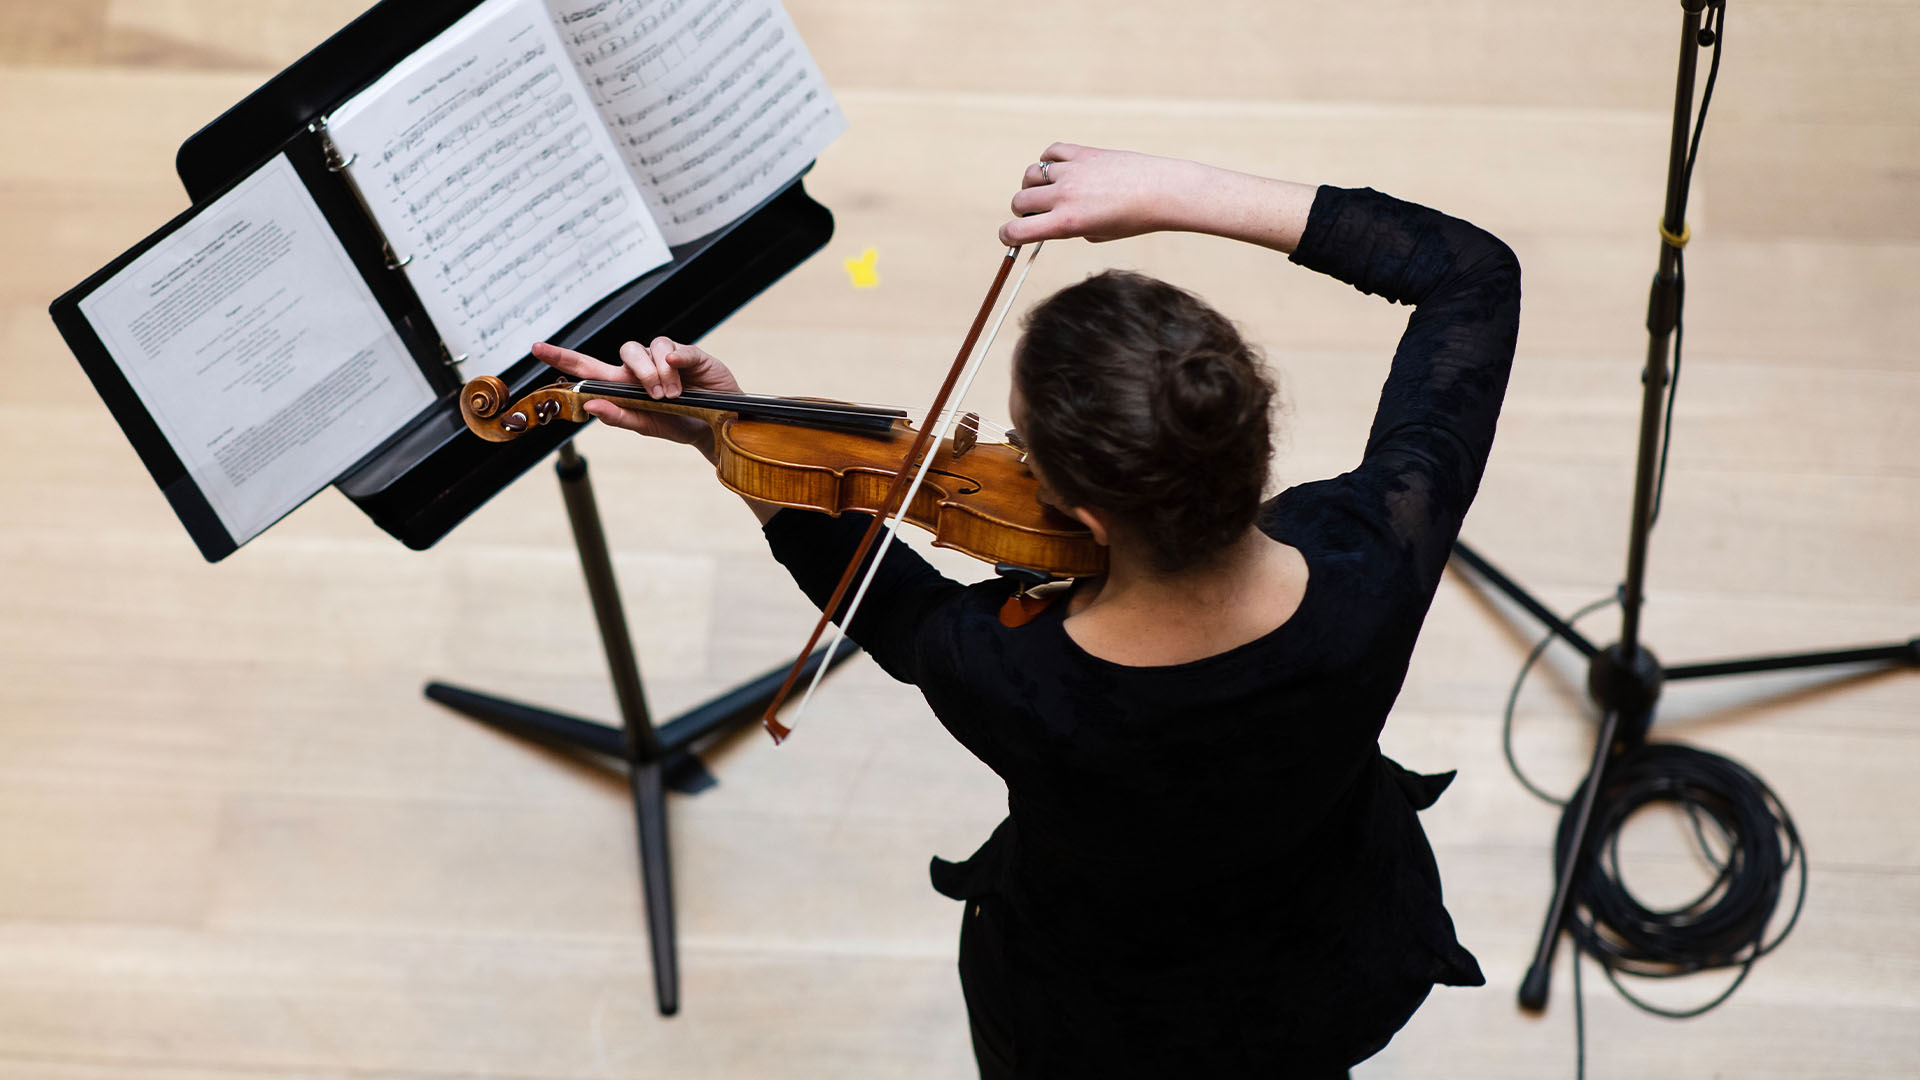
<point x="1434" y="428"/>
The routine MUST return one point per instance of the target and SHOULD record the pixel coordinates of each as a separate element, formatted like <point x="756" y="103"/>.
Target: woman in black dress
<point x="1207" y="869"/>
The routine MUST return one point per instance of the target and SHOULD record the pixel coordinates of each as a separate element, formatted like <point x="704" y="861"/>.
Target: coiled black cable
<point x="1753" y="849"/>
<point x="1740" y="828"/>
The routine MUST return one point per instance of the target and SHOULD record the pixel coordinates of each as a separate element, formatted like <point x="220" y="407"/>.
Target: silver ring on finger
<point x="1044" y="178"/>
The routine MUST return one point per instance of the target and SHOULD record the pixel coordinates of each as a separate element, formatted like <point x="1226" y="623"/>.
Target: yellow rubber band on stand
<point x="1676" y="242"/>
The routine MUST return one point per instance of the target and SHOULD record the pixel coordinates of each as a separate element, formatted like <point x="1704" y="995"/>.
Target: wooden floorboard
<point x="237" y="841"/>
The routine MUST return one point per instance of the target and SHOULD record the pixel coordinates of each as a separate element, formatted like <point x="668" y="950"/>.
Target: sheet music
<point x="482" y="160"/>
<point x="258" y="349"/>
<point x="715" y="104"/>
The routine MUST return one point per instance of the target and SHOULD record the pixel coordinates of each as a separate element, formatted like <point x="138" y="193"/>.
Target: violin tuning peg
<point x="515" y="422"/>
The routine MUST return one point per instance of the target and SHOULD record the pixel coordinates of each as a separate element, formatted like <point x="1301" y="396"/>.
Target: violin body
<point x="984" y="502"/>
<point x="979" y="498"/>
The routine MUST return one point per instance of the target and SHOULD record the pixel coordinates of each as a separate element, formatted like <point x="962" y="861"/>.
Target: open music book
<point x="522" y="166"/>
<point x="542" y="153"/>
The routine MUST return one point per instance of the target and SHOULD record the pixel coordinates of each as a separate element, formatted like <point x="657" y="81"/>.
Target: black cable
<point x="1724" y="927"/>
<point x="1753" y="847"/>
<point x="1712" y="36"/>
<point x="1513" y="697"/>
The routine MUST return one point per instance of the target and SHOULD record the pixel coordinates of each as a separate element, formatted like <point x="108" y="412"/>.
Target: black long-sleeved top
<point x="1209" y="869"/>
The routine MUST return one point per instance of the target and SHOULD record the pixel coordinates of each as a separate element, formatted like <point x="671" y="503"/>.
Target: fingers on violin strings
<point x="645" y="367"/>
<point x="670" y="356"/>
<point x="698" y="369"/>
<point x="577" y="364"/>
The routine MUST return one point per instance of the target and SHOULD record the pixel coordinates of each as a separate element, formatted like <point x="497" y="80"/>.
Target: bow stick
<point x="900" y="495"/>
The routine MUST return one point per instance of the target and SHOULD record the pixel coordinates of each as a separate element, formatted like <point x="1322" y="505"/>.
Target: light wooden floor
<point x="235" y="841"/>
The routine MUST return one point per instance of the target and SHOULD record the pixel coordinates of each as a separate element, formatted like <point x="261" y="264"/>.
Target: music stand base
<point x="658" y="759"/>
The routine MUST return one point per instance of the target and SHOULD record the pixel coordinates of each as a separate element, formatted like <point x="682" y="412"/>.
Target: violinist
<point x="1208" y="868"/>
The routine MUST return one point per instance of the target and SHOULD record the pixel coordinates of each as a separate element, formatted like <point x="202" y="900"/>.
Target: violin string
<point x="983" y="425"/>
<point x="926" y="466"/>
<point x="719" y="399"/>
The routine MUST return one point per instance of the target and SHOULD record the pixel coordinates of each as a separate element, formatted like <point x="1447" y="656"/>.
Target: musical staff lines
<point x="498" y="181"/>
<point x="593" y="260"/>
<point x="524" y="97"/>
<point x="653" y="38"/>
<point x="411" y="137"/>
<point x="507" y="229"/>
<point x="696" y="139"/>
<point x="692" y="89"/>
<point x="444" y="217"/>
<point x="540" y="154"/>
<point x="698" y="79"/>
<point x="777" y="164"/>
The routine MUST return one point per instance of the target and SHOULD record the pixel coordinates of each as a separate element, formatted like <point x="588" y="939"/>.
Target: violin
<point x="979" y="497"/>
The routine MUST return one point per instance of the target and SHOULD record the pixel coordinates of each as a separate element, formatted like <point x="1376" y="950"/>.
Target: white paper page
<point x="482" y="161"/>
<point x="715" y="104"/>
<point x="259" y="350"/>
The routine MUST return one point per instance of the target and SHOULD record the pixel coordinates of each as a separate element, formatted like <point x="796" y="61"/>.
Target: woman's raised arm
<point x="1082" y="191"/>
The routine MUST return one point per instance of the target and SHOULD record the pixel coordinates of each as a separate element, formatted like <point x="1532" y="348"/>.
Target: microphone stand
<point x="1624" y="679"/>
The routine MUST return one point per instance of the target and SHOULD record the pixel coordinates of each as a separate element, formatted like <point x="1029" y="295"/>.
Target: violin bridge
<point x="966" y="435"/>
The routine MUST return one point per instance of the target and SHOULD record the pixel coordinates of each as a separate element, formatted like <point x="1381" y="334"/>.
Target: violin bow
<point x="918" y="463"/>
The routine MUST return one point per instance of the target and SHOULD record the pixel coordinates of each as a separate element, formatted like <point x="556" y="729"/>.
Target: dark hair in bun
<point x="1144" y="402"/>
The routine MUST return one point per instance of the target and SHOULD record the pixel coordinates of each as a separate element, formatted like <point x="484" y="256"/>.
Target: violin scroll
<point x="490" y="412"/>
<point x="484" y="397"/>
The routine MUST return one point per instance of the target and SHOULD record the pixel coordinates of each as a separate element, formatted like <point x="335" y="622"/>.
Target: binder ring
<point x="395" y="264"/>
<point x="336" y="165"/>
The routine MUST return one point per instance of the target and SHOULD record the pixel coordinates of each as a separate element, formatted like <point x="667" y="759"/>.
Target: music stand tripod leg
<point x="658" y="759"/>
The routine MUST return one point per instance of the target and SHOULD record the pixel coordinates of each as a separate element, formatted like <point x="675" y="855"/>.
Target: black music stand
<point x="1624" y="679"/>
<point x="436" y="474"/>
<point x="657" y="758"/>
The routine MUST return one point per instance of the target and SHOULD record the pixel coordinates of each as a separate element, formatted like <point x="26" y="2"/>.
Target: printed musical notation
<point x="559" y="152"/>
<point x="542" y="153"/>
<point x="693" y="89"/>
<point x="642" y="39"/>
<point x="630" y="123"/>
<point x="491" y="171"/>
<point x="699" y="145"/>
<point x="410" y="138"/>
<point x="523" y="219"/>
<point x="750" y="178"/>
<point x="590" y="259"/>
<point x="488" y="160"/>
<point x="431" y="160"/>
